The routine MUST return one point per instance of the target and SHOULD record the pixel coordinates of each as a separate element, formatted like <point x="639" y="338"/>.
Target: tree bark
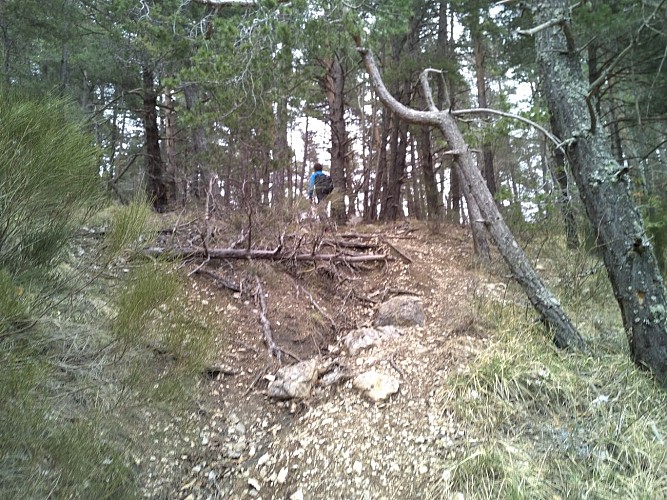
<point x="544" y="302"/>
<point x="380" y="185"/>
<point x="282" y="153"/>
<point x="480" y="78"/>
<point x="604" y="187"/>
<point x="564" y="199"/>
<point x="199" y="147"/>
<point x="334" y="83"/>
<point x="170" y="143"/>
<point x="428" y="173"/>
<point x="156" y="186"/>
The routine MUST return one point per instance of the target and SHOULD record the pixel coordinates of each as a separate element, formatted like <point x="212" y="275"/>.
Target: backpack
<point x="323" y="185"/>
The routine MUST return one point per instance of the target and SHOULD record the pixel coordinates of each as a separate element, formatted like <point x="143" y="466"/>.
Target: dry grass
<point x="543" y="423"/>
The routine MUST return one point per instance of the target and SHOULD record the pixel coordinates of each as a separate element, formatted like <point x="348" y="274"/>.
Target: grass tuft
<point x="545" y="423"/>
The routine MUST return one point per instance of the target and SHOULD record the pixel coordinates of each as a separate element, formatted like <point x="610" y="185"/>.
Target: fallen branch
<point x="276" y="254"/>
<point x="396" y="367"/>
<point x="371" y="236"/>
<point x="317" y="306"/>
<point x="218" y="279"/>
<point x="215" y="370"/>
<point x="405" y="257"/>
<point x="350" y="244"/>
<point x="273" y="348"/>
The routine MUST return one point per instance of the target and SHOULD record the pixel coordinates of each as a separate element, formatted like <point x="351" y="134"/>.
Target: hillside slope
<point x="336" y="443"/>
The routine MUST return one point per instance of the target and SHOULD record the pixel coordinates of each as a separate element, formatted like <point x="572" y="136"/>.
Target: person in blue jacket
<point x="317" y="171"/>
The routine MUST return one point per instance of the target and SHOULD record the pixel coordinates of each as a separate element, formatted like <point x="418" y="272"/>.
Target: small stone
<point x="423" y="469"/>
<point x="295" y="381"/>
<point x="297" y="495"/>
<point x="282" y="475"/>
<point x="254" y="483"/>
<point x="376" y="386"/>
<point x="263" y="459"/>
<point x="357" y="467"/>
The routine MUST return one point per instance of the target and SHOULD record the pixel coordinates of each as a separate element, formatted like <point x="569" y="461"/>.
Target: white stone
<point x="282" y="475"/>
<point x="263" y="459"/>
<point x="297" y="495"/>
<point x="364" y="338"/>
<point x="376" y="386"/>
<point x="295" y="381"/>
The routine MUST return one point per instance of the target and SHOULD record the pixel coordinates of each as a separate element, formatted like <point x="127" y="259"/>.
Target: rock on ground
<point x="376" y="386"/>
<point x="404" y="310"/>
<point x="363" y="338"/>
<point x="295" y="381"/>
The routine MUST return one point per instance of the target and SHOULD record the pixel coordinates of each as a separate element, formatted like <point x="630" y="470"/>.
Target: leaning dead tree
<point x="604" y="187"/>
<point x="544" y="302"/>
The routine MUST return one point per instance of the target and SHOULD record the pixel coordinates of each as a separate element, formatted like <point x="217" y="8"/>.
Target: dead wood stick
<point x="395" y="366"/>
<point x="238" y="241"/>
<point x="318" y="307"/>
<point x="275" y="254"/>
<point x="218" y="279"/>
<point x="200" y="266"/>
<point x="408" y="259"/>
<point x="215" y="370"/>
<point x="257" y="378"/>
<point x="273" y="348"/>
<point x="350" y="244"/>
<point x="371" y="236"/>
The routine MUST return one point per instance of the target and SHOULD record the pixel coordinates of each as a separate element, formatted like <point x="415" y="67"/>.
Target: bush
<point x="48" y="180"/>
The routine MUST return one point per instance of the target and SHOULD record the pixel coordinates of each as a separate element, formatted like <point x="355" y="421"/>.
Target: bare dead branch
<point x="317" y="306"/>
<point x="273" y="348"/>
<point x="399" y="252"/>
<point x="218" y="279"/>
<point x="395" y="366"/>
<point x="520" y="118"/>
<point x="276" y="254"/>
<point x="200" y="266"/>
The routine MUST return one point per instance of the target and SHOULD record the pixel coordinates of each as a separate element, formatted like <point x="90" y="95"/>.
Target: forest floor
<point x="336" y="443"/>
<point x="487" y="406"/>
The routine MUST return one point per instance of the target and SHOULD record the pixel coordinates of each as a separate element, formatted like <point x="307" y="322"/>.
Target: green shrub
<point x="51" y="425"/>
<point x="14" y="311"/>
<point x="48" y="179"/>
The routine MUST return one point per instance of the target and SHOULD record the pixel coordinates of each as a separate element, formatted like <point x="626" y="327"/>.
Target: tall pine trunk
<point x="604" y="187"/>
<point x="334" y="82"/>
<point x="156" y="186"/>
<point x="480" y="78"/>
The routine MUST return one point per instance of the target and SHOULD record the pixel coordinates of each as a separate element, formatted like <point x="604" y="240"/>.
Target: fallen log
<point x="277" y="254"/>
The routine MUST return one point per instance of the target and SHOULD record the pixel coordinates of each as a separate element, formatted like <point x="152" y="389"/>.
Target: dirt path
<point x="335" y="444"/>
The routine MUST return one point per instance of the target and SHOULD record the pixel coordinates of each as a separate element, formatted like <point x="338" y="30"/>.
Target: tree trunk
<point x="454" y="214"/>
<point x="380" y="175"/>
<point x="544" y="302"/>
<point x="170" y="146"/>
<point x="199" y="143"/>
<point x="480" y="77"/>
<point x="604" y="187"/>
<point x="428" y="173"/>
<point x="282" y="153"/>
<point x="564" y="198"/>
<point x="391" y="201"/>
<point x="334" y="83"/>
<point x="156" y="187"/>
